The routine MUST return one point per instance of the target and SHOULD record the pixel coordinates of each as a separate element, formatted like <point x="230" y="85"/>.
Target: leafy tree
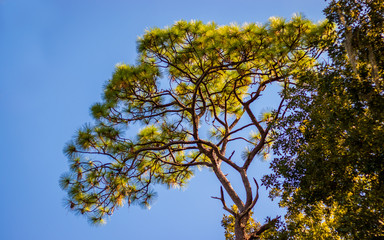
<point x="330" y="148"/>
<point x="192" y="93"/>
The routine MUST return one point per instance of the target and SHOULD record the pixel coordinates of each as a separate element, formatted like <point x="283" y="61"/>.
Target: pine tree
<point x="191" y="95"/>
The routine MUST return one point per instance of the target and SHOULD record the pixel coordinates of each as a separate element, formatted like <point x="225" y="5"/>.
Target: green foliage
<point x="317" y="222"/>
<point x="330" y="148"/>
<point x="214" y="76"/>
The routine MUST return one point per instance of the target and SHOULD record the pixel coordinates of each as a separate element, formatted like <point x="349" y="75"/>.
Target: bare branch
<point x="221" y="198"/>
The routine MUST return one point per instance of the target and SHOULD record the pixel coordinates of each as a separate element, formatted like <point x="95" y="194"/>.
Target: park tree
<point x="191" y="96"/>
<point x="330" y="154"/>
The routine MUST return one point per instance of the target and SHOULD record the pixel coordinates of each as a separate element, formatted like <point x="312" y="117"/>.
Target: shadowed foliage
<point x="330" y="163"/>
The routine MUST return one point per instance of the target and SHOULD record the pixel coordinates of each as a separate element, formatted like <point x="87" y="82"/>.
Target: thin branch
<point x="253" y="202"/>
<point x="221" y="198"/>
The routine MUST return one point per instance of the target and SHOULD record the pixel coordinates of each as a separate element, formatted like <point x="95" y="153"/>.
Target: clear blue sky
<point x="55" y="56"/>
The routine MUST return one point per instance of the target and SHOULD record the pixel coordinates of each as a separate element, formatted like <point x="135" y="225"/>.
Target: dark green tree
<point x="331" y="146"/>
<point x="192" y="93"/>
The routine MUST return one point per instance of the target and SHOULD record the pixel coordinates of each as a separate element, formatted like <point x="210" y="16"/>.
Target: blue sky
<point x="55" y="56"/>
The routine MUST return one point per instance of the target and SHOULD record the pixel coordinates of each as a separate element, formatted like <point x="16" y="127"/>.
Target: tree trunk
<point x="240" y="224"/>
<point x="240" y="231"/>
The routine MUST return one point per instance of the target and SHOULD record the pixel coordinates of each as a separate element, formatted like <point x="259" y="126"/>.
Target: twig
<point x="221" y="198"/>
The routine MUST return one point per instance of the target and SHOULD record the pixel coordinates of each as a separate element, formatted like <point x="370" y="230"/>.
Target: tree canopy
<point x="330" y="165"/>
<point x="188" y="102"/>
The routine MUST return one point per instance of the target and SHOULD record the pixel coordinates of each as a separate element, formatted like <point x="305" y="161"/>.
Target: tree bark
<point x="240" y="233"/>
<point x="240" y="224"/>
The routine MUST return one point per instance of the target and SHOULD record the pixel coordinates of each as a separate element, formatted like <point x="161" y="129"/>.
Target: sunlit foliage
<point x="190" y="97"/>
